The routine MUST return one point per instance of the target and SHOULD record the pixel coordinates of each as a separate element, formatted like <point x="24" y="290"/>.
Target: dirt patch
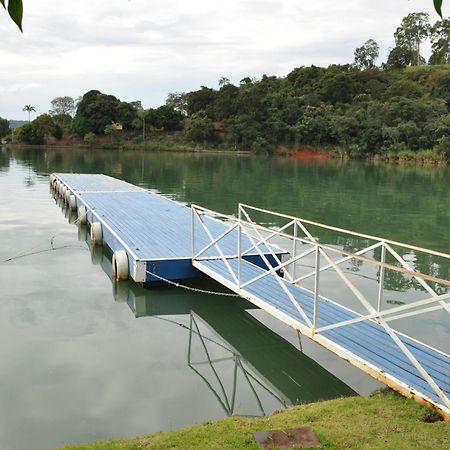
<point x="304" y="154"/>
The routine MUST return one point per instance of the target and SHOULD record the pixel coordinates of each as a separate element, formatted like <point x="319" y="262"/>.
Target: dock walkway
<point x="164" y="239"/>
<point x="365" y="344"/>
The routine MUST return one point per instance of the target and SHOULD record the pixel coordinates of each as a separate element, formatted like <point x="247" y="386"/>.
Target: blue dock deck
<point x="155" y="231"/>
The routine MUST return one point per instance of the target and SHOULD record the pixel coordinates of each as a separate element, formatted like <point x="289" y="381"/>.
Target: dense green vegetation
<point x="398" y="111"/>
<point x="398" y="114"/>
<point x="383" y="421"/>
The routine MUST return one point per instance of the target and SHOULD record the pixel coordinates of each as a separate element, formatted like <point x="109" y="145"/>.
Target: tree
<point x="95" y="111"/>
<point x="36" y="131"/>
<point x="200" y="100"/>
<point x="411" y="32"/>
<point x="366" y="55"/>
<point x="399" y="58"/>
<point x="43" y="126"/>
<point x="338" y="86"/>
<point x="225" y="104"/>
<point x="313" y="128"/>
<point x="127" y="113"/>
<point x="405" y="88"/>
<point x="25" y="134"/>
<point x="4" y="127"/>
<point x="200" y="128"/>
<point x="62" y="106"/>
<point x="139" y="121"/>
<point x="440" y="45"/>
<point x="29" y="109"/>
<point x="165" y="117"/>
<point x="179" y="101"/>
<point x="63" y="122"/>
<point x="223" y="81"/>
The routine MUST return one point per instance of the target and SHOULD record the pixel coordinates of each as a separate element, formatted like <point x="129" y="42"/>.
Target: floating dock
<point x="161" y="239"/>
<point x="154" y="231"/>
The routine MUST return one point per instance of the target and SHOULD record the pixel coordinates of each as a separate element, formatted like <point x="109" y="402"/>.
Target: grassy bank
<point x="382" y="421"/>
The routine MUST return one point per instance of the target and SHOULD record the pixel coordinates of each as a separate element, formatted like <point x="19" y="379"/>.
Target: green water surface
<point x="84" y="358"/>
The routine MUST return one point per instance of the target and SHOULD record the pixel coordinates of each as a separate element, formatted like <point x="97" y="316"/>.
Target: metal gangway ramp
<point x="363" y="334"/>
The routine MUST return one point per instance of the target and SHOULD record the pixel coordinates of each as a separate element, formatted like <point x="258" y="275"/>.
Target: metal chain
<point x="189" y="288"/>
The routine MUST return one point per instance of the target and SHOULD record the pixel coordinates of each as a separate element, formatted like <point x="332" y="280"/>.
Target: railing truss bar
<point x="413" y="313"/>
<point x="218" y="249"/>
<point x="387" y="312"/>
<point x="381" y="279"/>
<point x="270" y="236"/>
<point x="214" y="213"/>
<point x="294" y="248"/>
<point x="316" y="290"/>
<point x="427" y="287"/>
<point x="282" y="285"/>
<point x="351" y="286"/>
<point x="339" y="261"/>
<point x="338" y="270"/>
<point x="280" y="266"/>
<point x="263" y="241"/>
<point x="415" y="363"/>
<point x="422" y="282"/>
<point x="211" y="244"/>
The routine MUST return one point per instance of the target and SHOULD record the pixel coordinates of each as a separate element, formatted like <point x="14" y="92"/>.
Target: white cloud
<point x="140" y="49"/>
<point x="17" y="87"/>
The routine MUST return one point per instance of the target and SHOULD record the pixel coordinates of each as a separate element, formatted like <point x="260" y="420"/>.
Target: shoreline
<point x="426" y="158"/>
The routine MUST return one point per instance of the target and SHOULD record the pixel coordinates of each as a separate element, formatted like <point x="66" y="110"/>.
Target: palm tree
<point x="29" y="109"/>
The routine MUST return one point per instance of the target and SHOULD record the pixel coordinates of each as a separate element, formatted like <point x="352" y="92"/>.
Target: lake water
<point x="85" y="359"/>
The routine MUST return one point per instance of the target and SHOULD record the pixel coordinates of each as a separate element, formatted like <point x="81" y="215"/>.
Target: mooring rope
<point x="13" y="258"/>
<point x="189" y="288"/>
<point x="52" y="248"/>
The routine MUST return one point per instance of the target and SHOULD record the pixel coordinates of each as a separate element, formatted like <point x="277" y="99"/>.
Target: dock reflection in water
<point x="225" y="342"/>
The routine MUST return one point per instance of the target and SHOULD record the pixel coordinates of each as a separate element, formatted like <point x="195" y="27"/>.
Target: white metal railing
<point x="253" y="238"/>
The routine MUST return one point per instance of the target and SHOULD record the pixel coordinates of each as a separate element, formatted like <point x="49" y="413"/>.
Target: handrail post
<point x="294" y="249"/>
<point x="316" y="288"/>
<point x="239" y="247"/>
<point x="380" y="287"/>
<point x="193" y="232"/>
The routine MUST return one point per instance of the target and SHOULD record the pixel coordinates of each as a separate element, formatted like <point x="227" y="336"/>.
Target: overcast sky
<point x="144" y="49"/>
